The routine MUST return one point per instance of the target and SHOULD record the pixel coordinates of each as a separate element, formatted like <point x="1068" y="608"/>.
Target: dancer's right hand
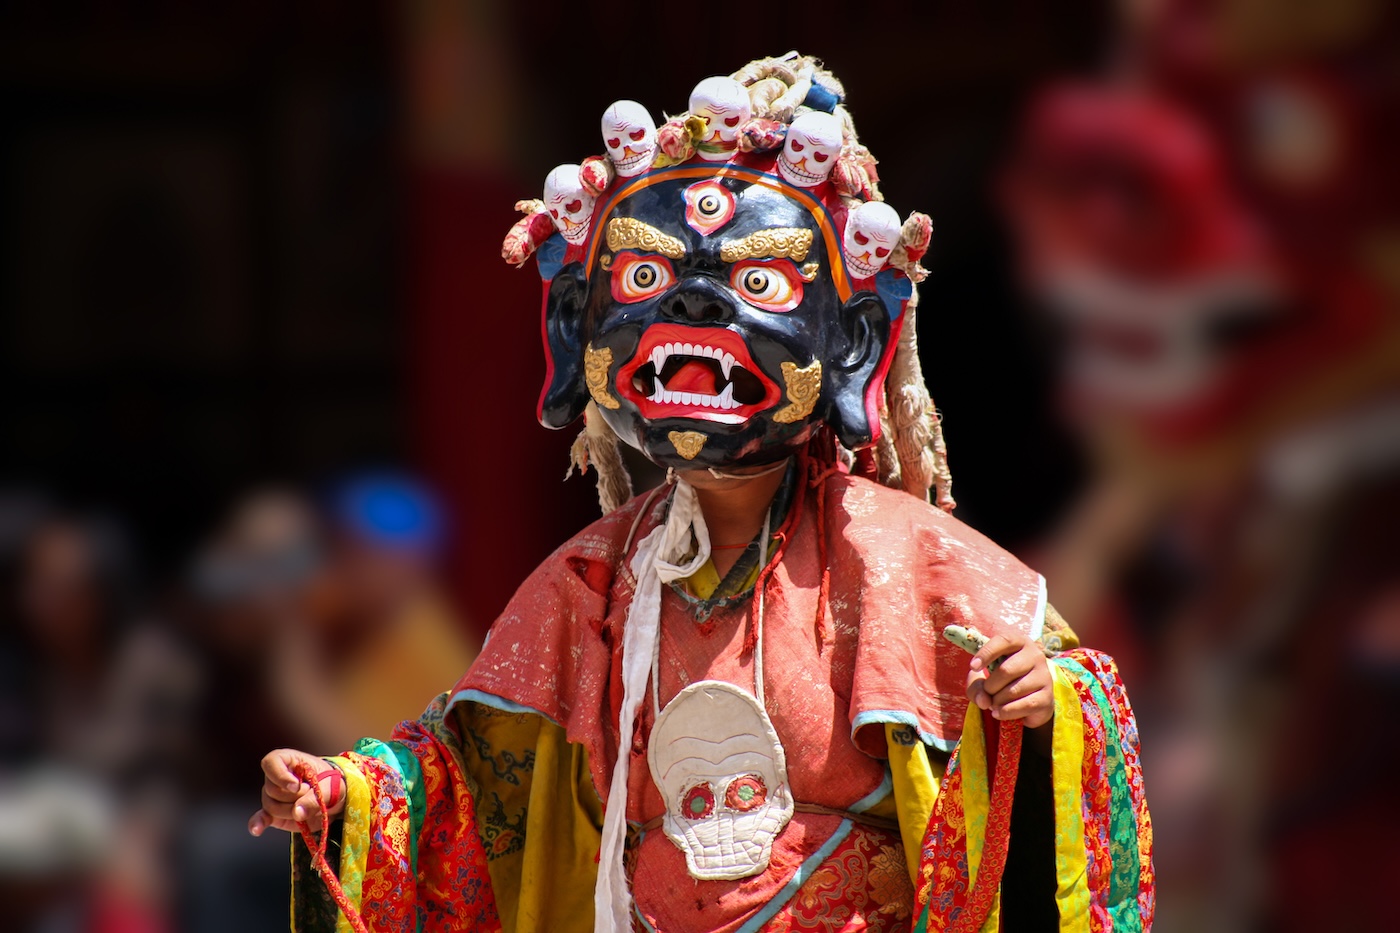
<point x="287" y="800"/>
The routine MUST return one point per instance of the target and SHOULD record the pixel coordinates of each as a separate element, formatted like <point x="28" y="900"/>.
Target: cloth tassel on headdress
<point x="596" y="173"/>
<point x="676" y="139"/>
<point x="528" y="233"/>
<point x="760" y="135"/>
<point x="653" y="565"/>
<point x="854" y="175"/>
<point x="914" y="241"/>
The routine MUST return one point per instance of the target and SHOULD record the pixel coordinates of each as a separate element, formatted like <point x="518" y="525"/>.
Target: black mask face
<point x="710" y="329"/>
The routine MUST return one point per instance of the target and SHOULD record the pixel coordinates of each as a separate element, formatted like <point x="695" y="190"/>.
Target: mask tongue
<point x="695" y="377"/>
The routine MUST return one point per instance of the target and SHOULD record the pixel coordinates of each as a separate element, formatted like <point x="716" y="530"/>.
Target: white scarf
<point x="653" y="565"/>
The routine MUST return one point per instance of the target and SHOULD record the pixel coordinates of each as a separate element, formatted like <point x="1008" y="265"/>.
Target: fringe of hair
<point x="596" y="444"/>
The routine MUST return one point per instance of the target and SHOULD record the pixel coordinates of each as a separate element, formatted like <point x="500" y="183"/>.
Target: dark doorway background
<point x="233" y="252"/>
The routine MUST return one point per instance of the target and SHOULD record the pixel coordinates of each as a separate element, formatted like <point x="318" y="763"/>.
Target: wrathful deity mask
<point x="714" y="342"/>
<point x="724" y="285"/>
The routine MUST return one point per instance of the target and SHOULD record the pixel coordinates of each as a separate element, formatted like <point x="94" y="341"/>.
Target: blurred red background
<point x="268" y="394"/>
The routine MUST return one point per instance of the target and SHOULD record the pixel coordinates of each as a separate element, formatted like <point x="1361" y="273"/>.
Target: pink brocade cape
<point x="900" y="571"/>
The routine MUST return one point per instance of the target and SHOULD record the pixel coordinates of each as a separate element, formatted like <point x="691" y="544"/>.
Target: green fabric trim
<point x="1123" y="847"/>
<point x="405" y="763"/>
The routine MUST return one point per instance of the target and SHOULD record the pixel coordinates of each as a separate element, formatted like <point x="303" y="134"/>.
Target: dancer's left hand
<point x="1020" y="688"/>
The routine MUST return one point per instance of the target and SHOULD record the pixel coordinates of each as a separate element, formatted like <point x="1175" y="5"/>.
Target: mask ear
<point x="565" y="395"/>
<point x="855" y="349"/>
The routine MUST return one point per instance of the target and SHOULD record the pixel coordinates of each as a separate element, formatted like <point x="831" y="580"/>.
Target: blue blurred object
<point x="390" y="510"/>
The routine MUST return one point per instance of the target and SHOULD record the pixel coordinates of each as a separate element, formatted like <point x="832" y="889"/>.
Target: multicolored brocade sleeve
<point x="1103" y="832"/>
<point x="411" y="858"/>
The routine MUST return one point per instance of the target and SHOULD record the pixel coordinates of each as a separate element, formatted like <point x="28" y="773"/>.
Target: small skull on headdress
<point x="629" y="134"/>
<point x="569" y="202"/>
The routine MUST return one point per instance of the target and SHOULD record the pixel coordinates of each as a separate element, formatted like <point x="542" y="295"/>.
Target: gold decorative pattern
<point x="773" y="243"/>
<point x="803" y="388"/>
<point x="810" y="270"/>
<point x="631" y="233"/>
<point x="596" y="364"/>
<point x="605" y="261"/>
<point x="687" y="443"/>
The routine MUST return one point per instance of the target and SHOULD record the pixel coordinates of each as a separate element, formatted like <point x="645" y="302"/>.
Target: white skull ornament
<point x="629" y="134"/>
<point x="810" y="150"/>
<point x="872" y="233"/>
<point x="569" y="203"/>
<point x="724" y="105"/>
<point x="720" y="767"/>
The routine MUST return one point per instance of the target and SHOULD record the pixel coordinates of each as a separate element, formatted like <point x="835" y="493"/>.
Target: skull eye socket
<point x="574" y="206"/>
<point x="881" y="252"/>
<point x="637" y="135"/>
<point x="771" y="284"/>
<point x="637" y="278"/>
<point x="821" y="156"/>
<point x="732" y="121"/>
<point x="614" y="142"/>
<point x="797" y="146"/>
<point x="746" y="793"/>
<point x="698" y="802"/>
<point x="860" y="238"/>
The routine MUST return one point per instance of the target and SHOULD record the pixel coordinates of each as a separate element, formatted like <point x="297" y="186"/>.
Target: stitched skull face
<point x="872" y="232"/>
<point x="717" y="761"/>
<point x="629" y="134"/>
<point x="810" y="150"/>
<point x="723" y="104"/>
<point x="569" y="203"/>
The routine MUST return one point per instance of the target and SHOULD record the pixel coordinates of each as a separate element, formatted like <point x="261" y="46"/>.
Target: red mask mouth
<point x="704" y="373"/>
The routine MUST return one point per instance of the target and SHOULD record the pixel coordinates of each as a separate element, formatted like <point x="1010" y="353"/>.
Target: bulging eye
<point x="773" y="285"/>
<point x="637" y="278"/>
<point x="637" y="135"/>
<point x="708" y="205"/>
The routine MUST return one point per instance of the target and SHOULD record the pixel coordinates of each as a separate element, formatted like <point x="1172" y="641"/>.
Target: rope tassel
<point x="317" y="848"/>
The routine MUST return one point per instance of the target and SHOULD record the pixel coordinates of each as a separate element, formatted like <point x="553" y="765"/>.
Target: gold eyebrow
<point x="631" y="233"/>
<point x="774" y="243"/>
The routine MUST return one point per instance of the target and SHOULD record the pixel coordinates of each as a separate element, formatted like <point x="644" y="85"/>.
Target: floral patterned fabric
<point x="485" y="813"/>
<point x="1103" y="831"/>
<point x="431" y="879"/>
